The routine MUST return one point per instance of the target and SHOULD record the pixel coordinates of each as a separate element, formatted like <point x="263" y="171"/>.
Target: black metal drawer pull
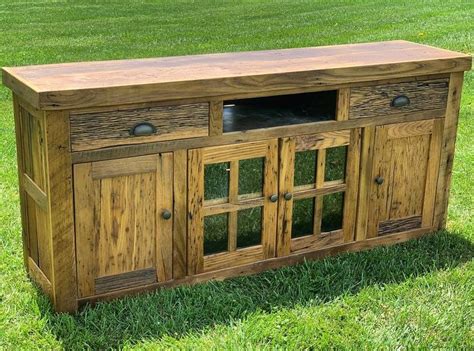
<point x="400" y="101"/>
<point x="143" y="129"/>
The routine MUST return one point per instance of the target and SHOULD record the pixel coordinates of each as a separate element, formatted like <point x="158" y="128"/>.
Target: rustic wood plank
<point x="316" y="242"/>
<point x="226" y="153"/>
<point x="66" y="86"/>
<point x="274" y="263"/>
<point x="124" y="167"/>
<point x="195" y="213"/>
<point x="39" y="277"/>
<point x="432" y="173"/>
<point x="110" y="128"/>
<point x="377" y="100"/>
<point x="87" y="225"/>
<point x="405" y="130"/>
<point x="343" y="104"/>
<point x="250" y="136"/>
<point x="399" y="225"/>
<point x="231" y="207"/>
<point x="164" y="227"/>
<point x="180" y="213"/>
<point x="216" y="110"/>
<point x="352" y="181"/>
<point x="60" y="211"/>
<point x="322" y="140"/>
<point x="233" y="199"/>
<point x="318" y="200"/>
<point x="307" y="193"/>
<point x="234" y="258"/>
<point x="270" y="209"/>
<point x="447" y="151"/>
<point x="20" y="156"/>
<point x="35" y="192"/>
<point x="367" y="154"/>
<point x="126" y="280"/>
<point x="285" y="207"/>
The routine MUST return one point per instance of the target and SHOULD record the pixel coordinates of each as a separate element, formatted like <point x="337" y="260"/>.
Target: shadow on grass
<point x="178" y="311"/>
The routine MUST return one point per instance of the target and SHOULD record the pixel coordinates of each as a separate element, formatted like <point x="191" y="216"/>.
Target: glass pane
<point x="335" y="163"/>
<point x="251" y="176"/>
<point x="249" y="227"/>
<point x="305" y="167"/>
<point x="303" y="214"/>
<point x="215" y="234"/>
<point x="333" y="205"/>
<point x="216" y="181"/>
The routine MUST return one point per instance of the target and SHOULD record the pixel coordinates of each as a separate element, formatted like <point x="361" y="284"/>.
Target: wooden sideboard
<point x="149" y="173"/>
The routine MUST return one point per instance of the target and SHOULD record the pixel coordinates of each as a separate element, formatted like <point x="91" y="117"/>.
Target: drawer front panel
<point x="112" y="128"/>
<point x="380" y="100"/>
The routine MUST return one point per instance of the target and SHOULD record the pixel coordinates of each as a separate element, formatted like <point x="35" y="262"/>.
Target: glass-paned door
<point x="318" y="178"/>
<point x="232" y="204"/>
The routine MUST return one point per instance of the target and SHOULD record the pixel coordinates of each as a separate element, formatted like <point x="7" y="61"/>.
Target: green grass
<point x="416" y="295"/>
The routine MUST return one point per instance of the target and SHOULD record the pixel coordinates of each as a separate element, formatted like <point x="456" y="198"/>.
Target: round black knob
<point x="379" y="180"/>
<point x="288" y="196"/>
<point x="274" y="198"/>
<point x="166" y="214"/>
<point x="400" y="101"/>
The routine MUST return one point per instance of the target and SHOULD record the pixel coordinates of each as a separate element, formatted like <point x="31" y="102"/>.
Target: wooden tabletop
<point x="86" y="84"/>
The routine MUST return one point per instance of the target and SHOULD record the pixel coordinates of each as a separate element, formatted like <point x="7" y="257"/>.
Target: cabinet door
<point x="123" y="229"/>
<point x="232" y="204"/>
<point x="404" y="176"/>
<point x="318" y="187"/>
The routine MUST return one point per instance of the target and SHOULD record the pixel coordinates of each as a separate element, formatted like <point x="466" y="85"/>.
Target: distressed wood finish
<point x="447" y="149"/>
<point x="119" y="223"/>
<point x="79" y="85"/>
<point x="106" y="214"/>
<point x="377" y="100"/>
<point x="112" y="128"/>
<point x="198" y="261"/>
<point x="405" y="158"/>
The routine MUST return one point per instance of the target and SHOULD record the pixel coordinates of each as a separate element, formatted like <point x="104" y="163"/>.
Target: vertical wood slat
<point x="270" y="187"/>
<point x="164" y="227"/>
<point x="447" y="150"/>
<point x="87" y="224"/>
<point x="216" y="110"/>
<point x="432" y="174"/>
<point x="318" y="200"/>
<point x="30" y="208"/>
<point x="352" y="181"/>
<point x="343" y="102"/>
<point x="367" y="153"/>
<point x="39" y="173"/>
<point x="379" y="197"/>
<point x="61" y="214"/>
<point x="285" y="208"/>
<point x="233" y="198"/>
<point x="19" y="135"/>
<point x="180" y="213"/>
<point x="195" y="212"/>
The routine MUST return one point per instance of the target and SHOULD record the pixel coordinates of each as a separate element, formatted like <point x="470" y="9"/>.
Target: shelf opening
<point x="282" y="110"/>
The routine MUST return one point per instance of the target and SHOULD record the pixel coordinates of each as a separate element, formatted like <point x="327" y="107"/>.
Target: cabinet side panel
<point x="60" y="210"/>
<point x="447" y="150"/>
<point x="20" y="163"/>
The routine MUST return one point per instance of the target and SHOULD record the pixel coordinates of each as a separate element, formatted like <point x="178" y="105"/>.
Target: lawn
<point x="416" y="295"/>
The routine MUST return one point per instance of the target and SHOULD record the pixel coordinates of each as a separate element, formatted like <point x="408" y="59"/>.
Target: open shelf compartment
<point x="282" y="110"/>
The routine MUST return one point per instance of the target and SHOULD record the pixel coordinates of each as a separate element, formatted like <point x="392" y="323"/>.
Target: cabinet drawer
<point x="380" y="100"/>
<point x="95" y="130"/>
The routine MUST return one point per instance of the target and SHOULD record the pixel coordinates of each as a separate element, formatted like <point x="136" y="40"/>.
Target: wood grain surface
<point x="74" y="85"/>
